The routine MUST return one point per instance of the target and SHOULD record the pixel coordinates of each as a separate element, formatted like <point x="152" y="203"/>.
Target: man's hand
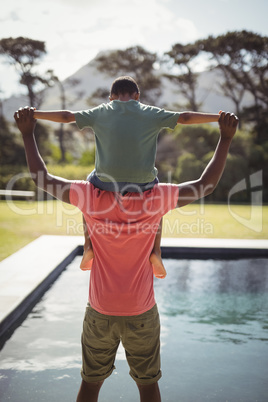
<point x="25" y="120"/>
<point x="228" y="123"/>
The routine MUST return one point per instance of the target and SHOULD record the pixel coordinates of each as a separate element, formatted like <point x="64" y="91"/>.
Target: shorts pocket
<point x="142" y="332"/>
<point x="95" y="328"/>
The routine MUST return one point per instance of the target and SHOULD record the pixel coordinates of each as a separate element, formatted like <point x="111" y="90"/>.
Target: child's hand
<point x="228" y="123"/>
<point x="24" y="118"/>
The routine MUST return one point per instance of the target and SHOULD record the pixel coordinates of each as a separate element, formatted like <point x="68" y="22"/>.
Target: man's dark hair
<point x="124" y="85"/>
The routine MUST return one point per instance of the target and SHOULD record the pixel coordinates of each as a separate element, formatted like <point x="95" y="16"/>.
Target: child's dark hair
<point x="124" y="85"/>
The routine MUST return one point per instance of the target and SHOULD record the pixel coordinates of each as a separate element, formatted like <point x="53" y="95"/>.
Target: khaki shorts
<point x="140" y="336"/>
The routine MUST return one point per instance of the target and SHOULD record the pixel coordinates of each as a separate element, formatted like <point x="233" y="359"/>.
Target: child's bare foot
<point x="87" y="259"/>
<point x="158" y="267"/>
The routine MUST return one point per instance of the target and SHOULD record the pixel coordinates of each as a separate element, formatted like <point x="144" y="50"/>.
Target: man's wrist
<point x="27" y="134"/>
<point x="225" y="140"/>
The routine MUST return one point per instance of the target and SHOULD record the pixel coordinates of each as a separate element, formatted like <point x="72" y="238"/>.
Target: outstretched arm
<point x="58" y="116"/>
<point x="56" y="186"/>
<point x="205" y="185"/>
<point x="197" y="118"/>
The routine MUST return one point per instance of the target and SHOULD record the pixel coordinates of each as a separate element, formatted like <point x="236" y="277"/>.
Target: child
<point x="126" y="134"/>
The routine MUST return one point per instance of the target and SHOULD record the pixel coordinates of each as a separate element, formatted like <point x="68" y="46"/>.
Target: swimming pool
<point x="214" y="338"/>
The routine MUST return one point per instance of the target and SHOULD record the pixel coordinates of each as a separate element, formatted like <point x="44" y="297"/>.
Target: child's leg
<point x="155" y="257"/>
<point x="86" y="263"/>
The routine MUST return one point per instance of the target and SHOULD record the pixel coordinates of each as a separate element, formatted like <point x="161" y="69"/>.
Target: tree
<point x="61" y="133"/>
<point x="23" y="54"/>
<point x="134" y="61"/>
<point x="181" y="58"/>
<point x="242" y="57"/>
<point x="194" y="152"/>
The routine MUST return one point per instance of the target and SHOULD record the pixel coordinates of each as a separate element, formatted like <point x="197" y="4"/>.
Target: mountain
<point x="89" y="79"/>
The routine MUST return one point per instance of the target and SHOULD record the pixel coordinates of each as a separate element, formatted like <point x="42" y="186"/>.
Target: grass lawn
<point x="22" y="221"/>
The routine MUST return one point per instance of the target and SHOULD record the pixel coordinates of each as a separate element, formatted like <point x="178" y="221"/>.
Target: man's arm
<point x="58" y="116"/>
<point x="56" y="186"/>
<point x="197" y="118"/>
<point x="205" y="185"/>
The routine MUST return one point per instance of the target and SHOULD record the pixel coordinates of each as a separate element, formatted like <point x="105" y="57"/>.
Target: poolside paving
<point x="27" y="274"/>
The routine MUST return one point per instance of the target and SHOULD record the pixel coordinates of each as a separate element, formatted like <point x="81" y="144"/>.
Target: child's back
<point x="126" y="137"/>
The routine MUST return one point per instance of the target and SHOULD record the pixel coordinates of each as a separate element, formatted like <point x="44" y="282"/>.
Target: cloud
<point x="14" y="16"/>
<point x="78" y="3"/>
<point x="9" y="15"/>
<point x="149" y="24"/>
<point x="186" y="30"/>
<point x="74" y="32"/>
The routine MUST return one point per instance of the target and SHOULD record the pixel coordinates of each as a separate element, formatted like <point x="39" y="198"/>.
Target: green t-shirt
<point x="126" y="138"/>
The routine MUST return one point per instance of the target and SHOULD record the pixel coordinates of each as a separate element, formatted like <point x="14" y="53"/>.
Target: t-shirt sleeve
<point x="167" y="119"/>
<point x="84" y="118"/>
<point x="169" y="194"/>
<point x="79" y="194"/>
<point x="87" y="118"/>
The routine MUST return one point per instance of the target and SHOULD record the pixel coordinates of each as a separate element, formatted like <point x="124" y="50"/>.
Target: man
<point x="122" y="305"/>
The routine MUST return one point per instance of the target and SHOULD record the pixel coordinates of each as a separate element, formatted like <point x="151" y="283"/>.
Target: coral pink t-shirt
<point x="122" y="231"/>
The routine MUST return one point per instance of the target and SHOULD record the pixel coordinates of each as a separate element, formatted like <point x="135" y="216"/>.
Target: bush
<point x="188" y="168"/>
<point x="11" y="150"/>
<point x="18" y="176"/>
<point x="195" y="145"/>
<point x="56" y="155"/>
<point x="71" y="172"/>
<point x="87" y="158"/>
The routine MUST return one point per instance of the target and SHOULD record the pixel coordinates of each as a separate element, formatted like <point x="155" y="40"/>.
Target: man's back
<point x="122" y="231"/>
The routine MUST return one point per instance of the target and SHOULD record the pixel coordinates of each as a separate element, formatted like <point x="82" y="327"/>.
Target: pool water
<point x="214" y="338"/>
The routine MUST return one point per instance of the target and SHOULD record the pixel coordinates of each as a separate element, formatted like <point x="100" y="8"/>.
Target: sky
<point x="74" y="31"/>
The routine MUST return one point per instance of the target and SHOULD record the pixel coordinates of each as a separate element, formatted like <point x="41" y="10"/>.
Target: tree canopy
<point x="134" y="61"/>
<point x="181" y="57"/>
<point x="242" y="57"/>
<point x="24" y="54"/>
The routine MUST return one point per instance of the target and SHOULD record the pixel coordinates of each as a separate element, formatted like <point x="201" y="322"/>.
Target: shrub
<point x="19" y="177"/>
